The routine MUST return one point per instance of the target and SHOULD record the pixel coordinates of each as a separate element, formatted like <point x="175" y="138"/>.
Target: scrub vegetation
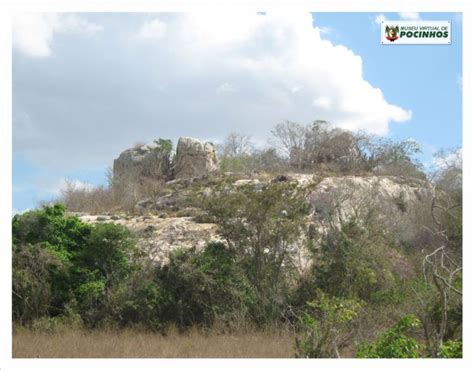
<point x="88" y="290"/>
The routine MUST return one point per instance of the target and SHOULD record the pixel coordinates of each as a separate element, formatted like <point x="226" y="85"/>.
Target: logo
<point x="391" y="33"/>
<point x="419" y="32"/>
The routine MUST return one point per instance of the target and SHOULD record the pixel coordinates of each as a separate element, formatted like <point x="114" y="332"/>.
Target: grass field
<point x="135" y="344"/>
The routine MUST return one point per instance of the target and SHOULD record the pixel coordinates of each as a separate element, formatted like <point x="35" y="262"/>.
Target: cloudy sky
<point x="88" y="85"/>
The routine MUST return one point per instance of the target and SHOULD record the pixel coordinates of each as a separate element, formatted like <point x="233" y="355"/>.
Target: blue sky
<point x="87" y="86"/>
<point x="425" y="78"/>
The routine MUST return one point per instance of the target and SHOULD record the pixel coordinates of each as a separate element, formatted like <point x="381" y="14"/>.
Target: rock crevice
<point x="193" y="159"/>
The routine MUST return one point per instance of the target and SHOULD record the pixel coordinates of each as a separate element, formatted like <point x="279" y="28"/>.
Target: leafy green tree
<point x="107" y="252"/>
<point x="59" y="260"/>
<point x="52" y="238"/>
<point x="202" y="287"/>
<point x="353" y="262"/>
<point x="100" y="267"/>
<point x="140" y="303"/>
<point x="92" y="305"/>
<point x="64" y="234"/>
<point x="34" y="273"/>
<point x="262" y="227"/>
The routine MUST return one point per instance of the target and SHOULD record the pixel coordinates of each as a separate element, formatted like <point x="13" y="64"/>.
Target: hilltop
<point x="169" y="189"/>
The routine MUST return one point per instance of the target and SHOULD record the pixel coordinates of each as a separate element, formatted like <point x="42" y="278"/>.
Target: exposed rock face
<point x="396" y="201"/>
<point x="162" y="203"/>
<point x="194" y="158"/>
<point x="393" y="202"/>
<point x="160" y="236"/>
<point x="143" y="161"/>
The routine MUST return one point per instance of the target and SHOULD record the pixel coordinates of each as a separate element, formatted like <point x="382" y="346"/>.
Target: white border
<point x="7" y="8"/>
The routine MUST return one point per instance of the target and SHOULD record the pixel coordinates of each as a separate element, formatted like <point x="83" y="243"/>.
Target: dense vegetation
<point x="369" y="293"/>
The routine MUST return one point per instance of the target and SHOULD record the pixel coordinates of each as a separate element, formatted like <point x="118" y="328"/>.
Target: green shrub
<point x="202" y="287"/>
<point x="107" y="251"/>
<point x="91" y="296"/>
<point x="395" y="342"/>
<point x="45" y="242"/>
<point x="70" y="319"/>
<point x="142" y="306"/>
<point x="57" y="259"/>
<point x="101" y="266"/>
<point x="452" y="349"/>
<point x="240" y="163"/>
<point x="164" y="146"/>
<point x="65" y="234"/>
<point x="326" y="326"/>
<point x="35" y="272"/>
<point x="352" y="262"/>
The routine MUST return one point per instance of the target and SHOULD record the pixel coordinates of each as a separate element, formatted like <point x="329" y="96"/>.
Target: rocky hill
<point x="170" y="219"/>
<point x="337" y="249"/>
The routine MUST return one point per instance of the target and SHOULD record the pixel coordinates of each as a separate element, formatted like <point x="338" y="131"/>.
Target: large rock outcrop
<point x="194" y="158"/>
<point x="141" y="162"/>
<point x="394" y="202"/>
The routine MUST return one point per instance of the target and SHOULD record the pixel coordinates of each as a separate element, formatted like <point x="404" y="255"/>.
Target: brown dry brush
<point x="130" y="343"/>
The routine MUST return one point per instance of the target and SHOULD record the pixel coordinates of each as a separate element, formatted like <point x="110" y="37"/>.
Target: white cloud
<point x="326" y="30"/>
<point x="275" y="53"/>
<point x="295" y="89"/>
<point x="225" y="88"/>
<point x="75" y="23"/>
<point x="409" y="16"/>
<point x="275" y="66"/>
<point x="379" y="18"/>
<point x="33" y="32"/>
<point x="322" y="102"/>
<point x="154" y="29"/>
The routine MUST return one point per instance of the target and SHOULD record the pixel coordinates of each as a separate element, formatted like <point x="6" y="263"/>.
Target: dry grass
<point x="136" y="344"/>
